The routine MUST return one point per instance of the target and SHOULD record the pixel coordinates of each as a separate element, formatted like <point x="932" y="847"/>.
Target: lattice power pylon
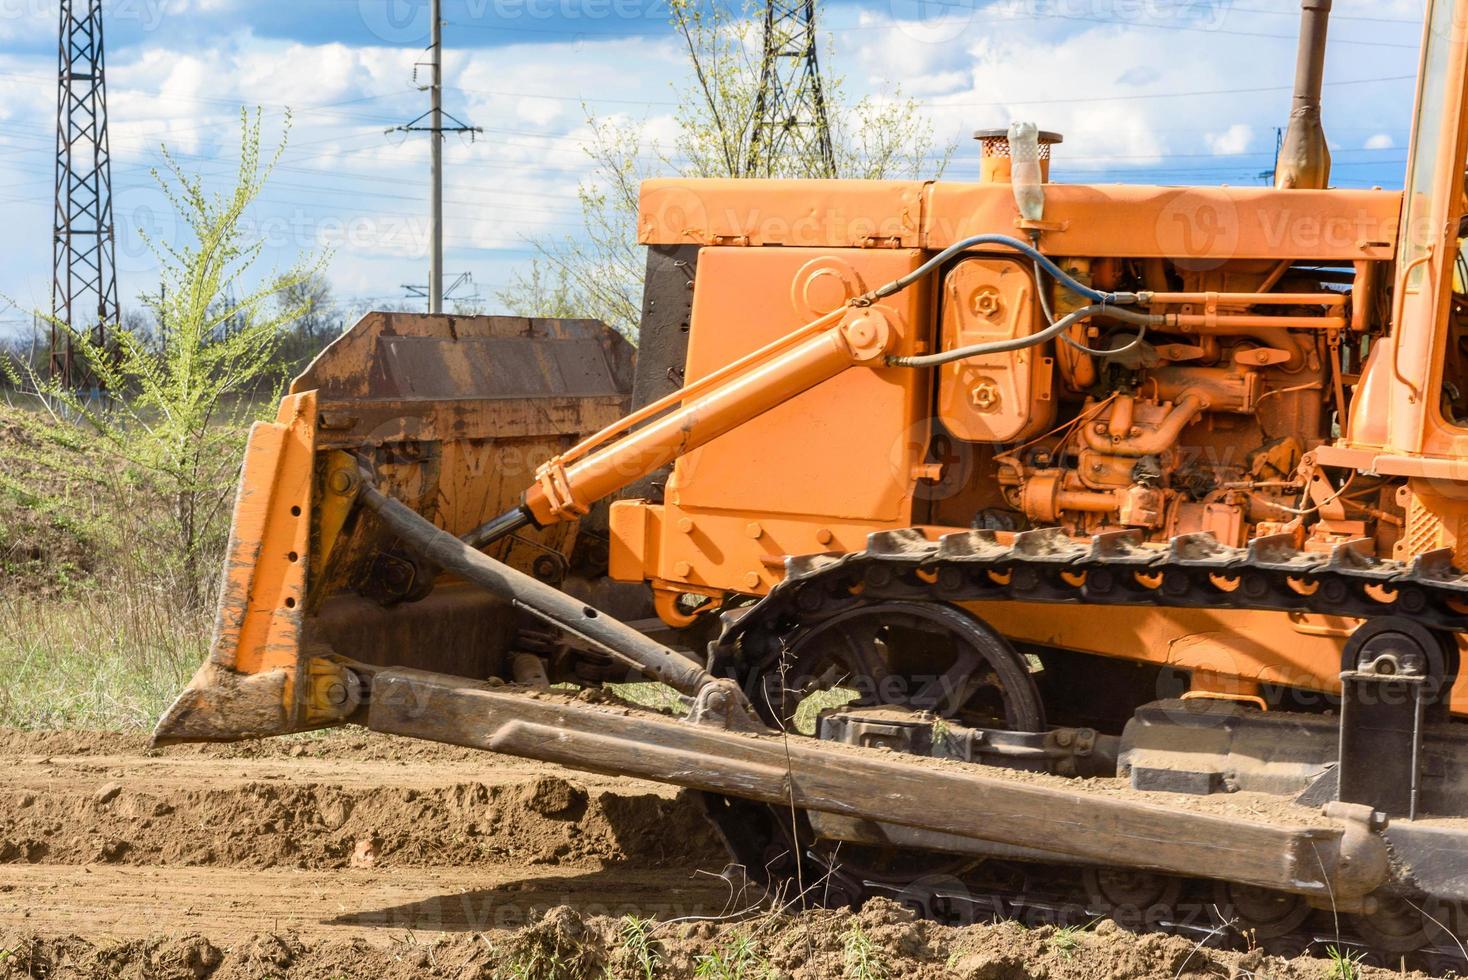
<point x="84" y="274"/>
<point x="791" y="136"/>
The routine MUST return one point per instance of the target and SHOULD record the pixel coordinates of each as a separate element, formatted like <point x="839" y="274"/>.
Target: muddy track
<point x="365" y="856"/>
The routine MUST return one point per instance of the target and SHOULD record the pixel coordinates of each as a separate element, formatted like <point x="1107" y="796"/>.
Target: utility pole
<point x="435" y="153"/>
<point x="435" y="130"/>
<point x="83" y="251"/>
<point x="790" y="121"/>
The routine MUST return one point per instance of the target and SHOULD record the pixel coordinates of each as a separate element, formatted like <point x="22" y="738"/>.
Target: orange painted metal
<point x="998" y="397"/>
<point x="269" y="544"/>
<point x="1200" y="224"/>
<point x="565" y="491"/>
<point x="251" y="682"/>
<point x="1273" y="372"/>
<point x="816" y="473"/>
<point x="829" y="213"/>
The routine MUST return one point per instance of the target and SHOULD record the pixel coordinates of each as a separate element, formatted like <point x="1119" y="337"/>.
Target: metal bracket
<point x="1393" y="671"/>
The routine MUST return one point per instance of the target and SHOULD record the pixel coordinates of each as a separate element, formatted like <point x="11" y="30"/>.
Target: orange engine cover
<point x="997" y="397"/>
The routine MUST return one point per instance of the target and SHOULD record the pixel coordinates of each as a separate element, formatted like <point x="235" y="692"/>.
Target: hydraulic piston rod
<point x="568" y="484"/>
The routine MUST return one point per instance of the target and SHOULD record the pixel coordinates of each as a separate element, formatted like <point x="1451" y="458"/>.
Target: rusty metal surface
<point x="454" y="413"/>
<point x="489" y="367"/>
<point x="1221" y="223"/>
<point x="406" y="355"/>
<point x="662" y="339"/>
<point x="456" y="630"/>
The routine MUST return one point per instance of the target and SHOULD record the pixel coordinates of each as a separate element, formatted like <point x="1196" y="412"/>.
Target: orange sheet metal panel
<point x="1199" y="224"/>
<point x="840" y="456"/>
<point x="840" y="213"/>
<point x="1002" y="397"/>
<point x="264" y="584"/>
<point x="1294" y="649"/>
<point x="1202" y="224"/>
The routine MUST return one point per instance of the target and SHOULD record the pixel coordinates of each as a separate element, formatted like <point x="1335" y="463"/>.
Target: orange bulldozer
<point x="1076" y="544"/>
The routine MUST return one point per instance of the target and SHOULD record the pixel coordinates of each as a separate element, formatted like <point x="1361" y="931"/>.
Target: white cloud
<point x="1379" y="141"/>
<point x="343" y="182"/>
<point x="1129" y="92"/>
<point x="1231" y="142"/>
<point x="1125" y="93"/>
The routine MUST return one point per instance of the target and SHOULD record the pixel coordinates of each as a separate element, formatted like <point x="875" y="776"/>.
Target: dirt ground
<point x="362" y="856"/>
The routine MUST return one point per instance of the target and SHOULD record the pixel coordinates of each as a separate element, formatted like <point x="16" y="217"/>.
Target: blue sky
<point x="1164" y="91"/>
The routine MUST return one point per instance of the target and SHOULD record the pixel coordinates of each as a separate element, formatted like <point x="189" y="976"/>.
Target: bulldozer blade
<point x="1336" y="859"/>
<point x="452" y="415"/>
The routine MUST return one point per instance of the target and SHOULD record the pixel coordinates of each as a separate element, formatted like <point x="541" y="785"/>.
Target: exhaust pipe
<point x="1304" y="157"/>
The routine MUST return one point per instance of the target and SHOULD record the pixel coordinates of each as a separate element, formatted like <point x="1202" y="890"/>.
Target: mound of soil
<point x="327" y="802"/>
<point x="882" y="940"/>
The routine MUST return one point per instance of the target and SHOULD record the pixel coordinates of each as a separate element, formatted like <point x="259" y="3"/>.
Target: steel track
<point x="1115" y="568"/>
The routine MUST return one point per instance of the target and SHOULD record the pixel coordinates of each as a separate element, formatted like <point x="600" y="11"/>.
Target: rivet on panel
<point x="753" y="529"/>
<point x="751" y="579"/>
<point x="823" y="536"/>
<point x="682" y="569"/>
<point x="685" y="525"/>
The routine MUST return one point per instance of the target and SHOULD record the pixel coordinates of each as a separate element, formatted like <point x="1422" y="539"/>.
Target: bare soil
<point x="364" y="856"/>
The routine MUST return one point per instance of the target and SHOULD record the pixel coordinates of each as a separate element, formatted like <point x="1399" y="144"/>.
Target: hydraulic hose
<point x="1038" y="257"/>
<point x="672" y="433"/>
<point x="1020" y="343"/>
<point x="1092" y="351"/>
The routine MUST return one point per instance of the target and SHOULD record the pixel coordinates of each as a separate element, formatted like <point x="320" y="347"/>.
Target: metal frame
<point x="790" y="105"/>
<point x="84" y="268"/>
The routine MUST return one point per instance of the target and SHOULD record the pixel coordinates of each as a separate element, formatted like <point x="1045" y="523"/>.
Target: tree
<point x="180" y="396"/>
<point x="316" y="321"/>
<point x="598" y="273"/>
<point x="310" y="294"/>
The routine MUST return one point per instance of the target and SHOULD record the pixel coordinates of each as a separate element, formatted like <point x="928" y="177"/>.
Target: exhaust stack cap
<point x="995" y="160"/>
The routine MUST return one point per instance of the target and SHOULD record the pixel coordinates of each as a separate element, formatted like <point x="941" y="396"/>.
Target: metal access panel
<point x="845" y="449"/>
<point x="994" y="398"/>
<point x="819" y="472"/>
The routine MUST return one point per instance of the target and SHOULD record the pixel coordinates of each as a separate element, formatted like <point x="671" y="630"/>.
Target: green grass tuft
<point x="738" y="958"/>
<point x="861" y="957"/>
<point x="640" y="947"/>
<point x="1345" y="964"/>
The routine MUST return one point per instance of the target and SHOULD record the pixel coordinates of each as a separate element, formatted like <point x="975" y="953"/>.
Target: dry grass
<point x="94" y="632"/>
<point x="101" y="660"/>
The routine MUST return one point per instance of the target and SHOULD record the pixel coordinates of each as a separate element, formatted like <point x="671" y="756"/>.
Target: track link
<point x="1112" y="569"/>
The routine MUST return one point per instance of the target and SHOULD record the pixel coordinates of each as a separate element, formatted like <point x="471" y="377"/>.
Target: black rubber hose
<point x="1020" y="343"/>
<point x="1071" y="341"/>
<point x="1039" y="258"/>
